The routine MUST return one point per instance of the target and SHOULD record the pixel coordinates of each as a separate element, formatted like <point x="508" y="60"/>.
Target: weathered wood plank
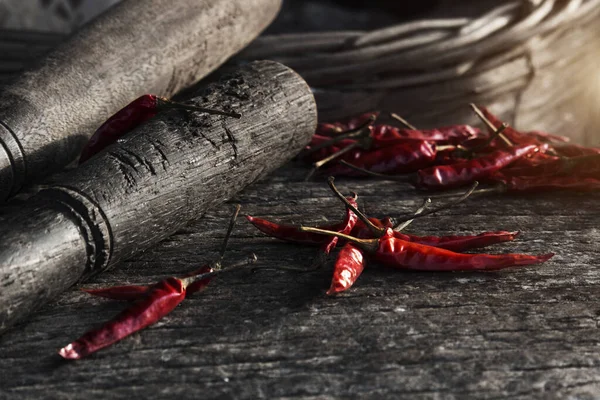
<point x="515" y="334"/>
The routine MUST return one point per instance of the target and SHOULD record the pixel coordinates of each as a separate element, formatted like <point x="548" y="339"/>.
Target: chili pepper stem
<point x="357" y="132"/>
<point x="490" y="125"/>
<point x="447" y="147"/>
<point x="443" y="207"/>
<point x="410" y="178"/>
<point x="403" y="121"/>
<point x="239" y="265"/>
<point x="500" y="188"/>
<point x="366" y="244"/>
<point x="496" y="134"/>
<point x="335" y="155"/>
<point x="401" y="226"/>
<point x="165" y="103"/>
<point x="217" y="264"/>
<point x="375" y="229"/>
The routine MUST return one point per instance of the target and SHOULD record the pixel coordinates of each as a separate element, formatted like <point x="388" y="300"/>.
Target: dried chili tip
<point x="348" y="267"/>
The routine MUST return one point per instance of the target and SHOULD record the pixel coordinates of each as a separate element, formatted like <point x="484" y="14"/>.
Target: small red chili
<point x="536" y="184"/>
<point x="399" y="253"/>
<point x="133" y="115"/>
<point x="574" y="150"/>
<point x="401" y="158"/>
<point x="135" y="292"/>
<point x="455" y="134"/>
<point x="161" y="299"/>
<point x="466" y="172"/>
<point x="456" y="243"/>
<point x="336" y="128"/>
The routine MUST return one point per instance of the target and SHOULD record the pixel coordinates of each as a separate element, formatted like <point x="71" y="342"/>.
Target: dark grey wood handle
<point x="154" y="46"/>
<point x="151" y="183"/>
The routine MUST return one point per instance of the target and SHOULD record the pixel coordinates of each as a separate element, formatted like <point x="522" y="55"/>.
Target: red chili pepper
<point x="454" y="134"/>
<point x="465" y="172"/>
<point x="348" y="267"/>
<point x="460" y="243"/>
<point x="399" y="253"/>
<point x="580" y="167"/>
<point x="398" y="159"/>
<point x="574" y="150"/>
<point x="132" y="115"/>
<point x="332" y="129"/>
<point x="292" y="233"/>
<point x="536" y="184"/>
<point x="362" y="231"/>
<point x="199" y="284"/>
<point x="402" y="254"/>
<point x="516" y="137"/>
<point x="136" y="292"/>
<point x="125" y="120"/>
<point x="160" y="300"/>
<point x="453" y="243"/>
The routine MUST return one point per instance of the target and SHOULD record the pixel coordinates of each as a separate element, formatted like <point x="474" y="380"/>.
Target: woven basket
<point x="533" y="62"/>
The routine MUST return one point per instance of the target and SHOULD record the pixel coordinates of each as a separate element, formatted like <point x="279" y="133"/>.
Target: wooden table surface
<point x="525" y="333"/>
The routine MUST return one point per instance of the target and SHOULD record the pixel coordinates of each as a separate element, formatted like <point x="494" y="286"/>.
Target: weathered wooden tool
<point x="152" y="182"/>
<point x="154" y="46"/>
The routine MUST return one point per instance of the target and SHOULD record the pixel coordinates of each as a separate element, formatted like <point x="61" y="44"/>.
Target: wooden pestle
<point x="136" y="47"/>
<point x="152" y="182"/>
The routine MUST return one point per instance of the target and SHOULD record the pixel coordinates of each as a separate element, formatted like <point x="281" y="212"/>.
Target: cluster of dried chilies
<point x="382" y="240"/>
<point x="455" y="156"/>
<point x="440" y="159"/>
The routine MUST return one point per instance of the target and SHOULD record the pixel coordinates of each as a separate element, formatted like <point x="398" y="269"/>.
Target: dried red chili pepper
<point x="291" y="233"/>
<point x="348" y="267"/>
<point x="456" y="243"/>
<point x="403" y="254"/>
<point x="135" y="113"/>
<point x="574" y="150"/>
<point x="455" y="134"/>
<point x="399" y="253"/>
<point x="536" y="184"/>
<point x="159" y="301"/>
<point x="581" y="167"/>
<point x="403" y="158"/>
<point x="136" y="292"/>
<point x="350" y="124"/>
<point x="465" y="172"/>
<point x="151" y="304"/>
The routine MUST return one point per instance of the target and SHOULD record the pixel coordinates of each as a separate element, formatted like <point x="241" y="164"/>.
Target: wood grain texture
<point x="157" y="46"/>
<point x="152" y="182"/>
<point x="521" y="334"/>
